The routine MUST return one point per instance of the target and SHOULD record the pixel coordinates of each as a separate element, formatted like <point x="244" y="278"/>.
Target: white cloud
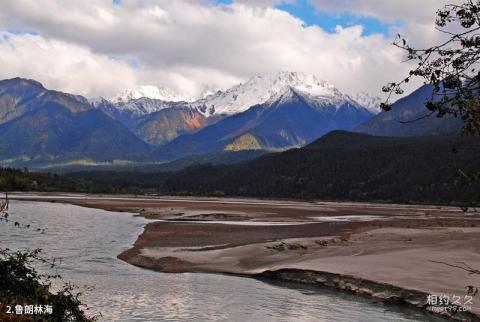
<point x="184" y="44"/>
<point x="416" y="18"/>
<point x="61" y="65"/>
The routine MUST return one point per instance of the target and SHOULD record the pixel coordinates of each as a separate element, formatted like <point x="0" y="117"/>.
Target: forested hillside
<point x="339" y="166"/>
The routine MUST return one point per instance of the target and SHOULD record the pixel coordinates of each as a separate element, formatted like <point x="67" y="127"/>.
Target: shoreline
<point x="221" y="236"/>
<point x="39" y="195"/>
<point x="385" y="293"/>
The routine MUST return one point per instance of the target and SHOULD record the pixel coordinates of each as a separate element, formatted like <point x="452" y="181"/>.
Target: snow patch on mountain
<point x="98" y="101"/>
<point x="144" y="105"/>
<point x="135" y="106"/>
<point x="161" y="93"/>
<point x="141" y="101"/>
<point x="239" y="98"/>
<point x="329" y="100"/>
<point x="262" y="88"/>
<point x="371" y="103"/>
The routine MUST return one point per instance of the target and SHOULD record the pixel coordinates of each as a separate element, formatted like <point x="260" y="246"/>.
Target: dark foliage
<point x="339" y="166"/>
<point x="21" y="284"/>
<point x="23" y="180"/>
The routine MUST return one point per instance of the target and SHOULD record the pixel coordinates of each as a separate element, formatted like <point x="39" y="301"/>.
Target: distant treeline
<point x="339" y="166"/>
<point x="24" y="180"/>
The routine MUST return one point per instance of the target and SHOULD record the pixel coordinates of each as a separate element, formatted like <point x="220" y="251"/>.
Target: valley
<point x="239" y="160"/>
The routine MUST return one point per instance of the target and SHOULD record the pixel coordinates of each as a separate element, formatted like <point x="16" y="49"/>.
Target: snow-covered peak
<point x="260" y="89"/>
<point x="371" y="103"/>
<point x="149" y="91"/>
<point x="208" y="90"/>
<point x="144" y="105"/>
<point x="97" y="101"/>
<point x="286" y="94"/>
<point x="137" y="107"/>
<point x="78" y="98"/>
<point x="335" y="99"/>
<point x="239" y="98"/>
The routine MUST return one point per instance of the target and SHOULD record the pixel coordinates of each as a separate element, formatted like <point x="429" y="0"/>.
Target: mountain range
<point x="159" y="121"/>
<point x="288" y="119"/>
<point x="42" y="126"/>
<point x="149" y="124"/>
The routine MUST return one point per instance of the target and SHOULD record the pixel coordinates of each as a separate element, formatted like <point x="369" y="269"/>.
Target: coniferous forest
<point x="338" y="166"/>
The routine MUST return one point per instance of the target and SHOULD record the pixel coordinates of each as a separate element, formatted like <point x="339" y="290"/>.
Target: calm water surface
<point x="88" y="240"/>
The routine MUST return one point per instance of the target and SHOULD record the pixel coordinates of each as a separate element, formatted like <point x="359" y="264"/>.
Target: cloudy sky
<point x="101" y="47"/>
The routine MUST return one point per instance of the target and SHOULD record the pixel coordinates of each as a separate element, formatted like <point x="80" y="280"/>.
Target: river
<point x="86" y="242"/>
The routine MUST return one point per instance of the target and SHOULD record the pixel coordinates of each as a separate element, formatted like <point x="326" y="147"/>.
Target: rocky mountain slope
<point x="43" y="126"/>
<point x="289" y="119"/>
<point x="407" y="118"/>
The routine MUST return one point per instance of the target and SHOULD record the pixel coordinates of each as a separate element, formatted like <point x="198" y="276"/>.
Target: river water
<point x="86" y="242"/>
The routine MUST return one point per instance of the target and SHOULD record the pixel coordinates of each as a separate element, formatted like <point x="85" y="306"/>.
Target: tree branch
<point x="417" y="119"/>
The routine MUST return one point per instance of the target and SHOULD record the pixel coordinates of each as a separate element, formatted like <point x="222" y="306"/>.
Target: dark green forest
<point x="24" y="180"/>
<point x="339" y="166"/>
<point x="347" y="166"/>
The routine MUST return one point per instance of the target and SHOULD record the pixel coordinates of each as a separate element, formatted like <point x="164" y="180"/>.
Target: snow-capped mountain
<point x="239" y="98"/>
<point x="289" y="118"/>
<point x="143" y="105"/>
<point x="333" y="99"/>
<point x="260" y="89"/>
<point x="133" y="108"/>
<point x="161" y="93"/>
<point x="140" y="101"/>
<point x="160" y="107"/>
<point x="98" y="101"/>
<point x="371" y="103"/>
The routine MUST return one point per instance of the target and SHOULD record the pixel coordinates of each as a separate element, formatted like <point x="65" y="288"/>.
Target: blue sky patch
<point x="131" y="61"/>
<point x="310" y="15"/>
<point x="18" y="31"/>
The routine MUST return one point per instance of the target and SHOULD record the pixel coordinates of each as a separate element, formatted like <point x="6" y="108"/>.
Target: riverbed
<point x="86" y="243"/>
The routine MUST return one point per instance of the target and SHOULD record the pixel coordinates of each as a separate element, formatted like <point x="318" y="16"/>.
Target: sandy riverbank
<point x="386" y="251"/>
